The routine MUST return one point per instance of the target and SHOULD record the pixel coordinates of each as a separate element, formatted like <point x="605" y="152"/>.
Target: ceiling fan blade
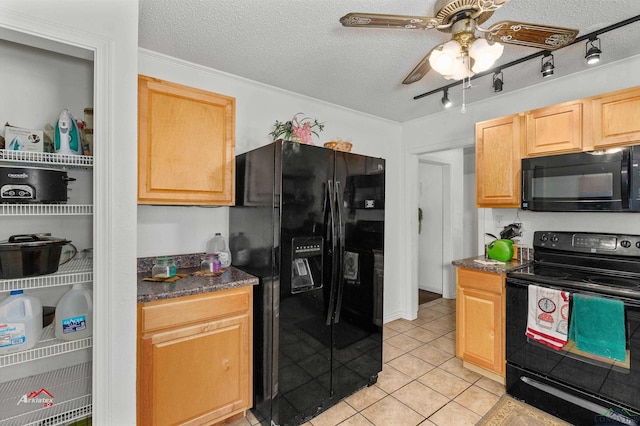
<point x="531" y="35"/>
<point x="421" y="69"/>
<point x="376" y="20"/>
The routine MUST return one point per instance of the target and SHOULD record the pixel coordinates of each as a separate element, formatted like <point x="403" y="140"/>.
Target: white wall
<point x="495" y="219"/>
<point x="453" y="129"/>
<point x="470" y="212"/>
<point x="186" y="229"/>
<point x="110" y="30"/>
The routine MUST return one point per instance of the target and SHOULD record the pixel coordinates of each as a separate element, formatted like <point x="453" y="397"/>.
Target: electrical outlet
<point x="498" y="219"/>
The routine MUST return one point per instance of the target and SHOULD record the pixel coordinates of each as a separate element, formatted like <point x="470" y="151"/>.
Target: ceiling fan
<point x="465" y="54"/>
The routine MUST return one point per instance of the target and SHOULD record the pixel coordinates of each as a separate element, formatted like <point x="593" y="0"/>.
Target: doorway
<point x="450" y="162"/>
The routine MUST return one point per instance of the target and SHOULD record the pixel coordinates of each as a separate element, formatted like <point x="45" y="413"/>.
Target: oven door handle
<point x="588" y="405"/>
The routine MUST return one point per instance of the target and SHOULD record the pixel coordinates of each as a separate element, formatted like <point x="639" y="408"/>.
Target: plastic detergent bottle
<point x="217" y="245"/>
<point x="74" y="314"/>
<point x="20" y="322"/>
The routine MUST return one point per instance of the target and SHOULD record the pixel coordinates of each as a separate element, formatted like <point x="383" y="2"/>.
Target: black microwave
<point x="603" y="180"/>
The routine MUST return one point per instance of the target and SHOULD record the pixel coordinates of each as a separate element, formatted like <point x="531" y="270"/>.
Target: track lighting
<point x="592" y="50"/>
<point x="446" y="102"/>
<point x="592" y="55"/>
<point x="547" y="65"/>
<point x="498" y="81"/>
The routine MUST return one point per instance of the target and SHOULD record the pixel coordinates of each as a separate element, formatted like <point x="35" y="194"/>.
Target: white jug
<point x="20" y="322"/>
<point x="74" y="314"/>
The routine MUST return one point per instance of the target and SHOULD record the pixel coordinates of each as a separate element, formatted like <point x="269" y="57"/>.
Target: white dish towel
<point x="548" y="316"/>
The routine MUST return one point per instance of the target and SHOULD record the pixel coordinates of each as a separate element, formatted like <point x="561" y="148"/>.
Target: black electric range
<point x="578" y="387"/>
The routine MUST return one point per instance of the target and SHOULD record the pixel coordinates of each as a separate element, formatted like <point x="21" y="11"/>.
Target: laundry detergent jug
<point x="67" y="135"/>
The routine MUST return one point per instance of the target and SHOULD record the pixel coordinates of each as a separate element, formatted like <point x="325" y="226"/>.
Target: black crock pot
<point x="30" y="255"/>
<point x="33" y="185"/>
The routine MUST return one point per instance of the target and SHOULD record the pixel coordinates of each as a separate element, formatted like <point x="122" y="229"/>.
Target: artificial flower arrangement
<point x="297" y="129"/>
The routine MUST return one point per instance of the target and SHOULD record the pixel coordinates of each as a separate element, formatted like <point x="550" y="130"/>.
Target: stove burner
<point x="613" y="281"/>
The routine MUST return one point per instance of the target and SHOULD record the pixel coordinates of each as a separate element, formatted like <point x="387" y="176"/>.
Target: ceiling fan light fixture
<point x="484" y="54"/>
<point x="593" y="51"/>
<point x="460" y="69"/>
<point x="547" y="65"/>
<point x="446" y="102"/>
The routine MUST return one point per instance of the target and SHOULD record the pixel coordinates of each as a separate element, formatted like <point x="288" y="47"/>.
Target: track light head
<point x="498" y="81"/>
<point x="547" y="65"/>
<point x="593" y="51"/>
<point x="446" y="102"/>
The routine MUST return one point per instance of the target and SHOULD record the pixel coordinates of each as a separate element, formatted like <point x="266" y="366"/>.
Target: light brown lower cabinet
<point x="194" y="358"/>
<point x="480" y="322"/>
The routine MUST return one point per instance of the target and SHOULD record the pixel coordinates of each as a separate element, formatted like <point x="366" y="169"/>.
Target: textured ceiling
<point x="301" y="46"/>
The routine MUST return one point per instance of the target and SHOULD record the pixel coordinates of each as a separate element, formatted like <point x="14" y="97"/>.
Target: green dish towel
<point x="597" y="326"/>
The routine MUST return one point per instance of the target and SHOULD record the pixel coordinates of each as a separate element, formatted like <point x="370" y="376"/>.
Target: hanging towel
<point x="597" y="326"/>
<point x="547" y="320"/>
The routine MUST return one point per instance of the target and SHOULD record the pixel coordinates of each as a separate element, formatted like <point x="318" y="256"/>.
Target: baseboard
<point x="483" y="371"/>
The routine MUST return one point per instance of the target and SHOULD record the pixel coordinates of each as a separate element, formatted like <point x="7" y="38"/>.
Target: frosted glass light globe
<point x="484" y="54"/>
<point x="443" y="60"/>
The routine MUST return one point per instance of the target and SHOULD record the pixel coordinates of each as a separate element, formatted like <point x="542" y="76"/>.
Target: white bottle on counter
<point x="74" y="314"/>
<point x="20" y="322"/>
<point x="217" y="245"/>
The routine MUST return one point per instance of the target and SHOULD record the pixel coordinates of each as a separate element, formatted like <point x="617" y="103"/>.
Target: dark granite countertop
<point x="149" y="291"/>
<point x="499" y="268"/>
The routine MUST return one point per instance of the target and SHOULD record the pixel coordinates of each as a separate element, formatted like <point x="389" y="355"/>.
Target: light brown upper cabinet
<point x="554" y="130"/>
<point x="186" y="145"/>
<point x="498" y="145"/>
<point x="616" y="119"/>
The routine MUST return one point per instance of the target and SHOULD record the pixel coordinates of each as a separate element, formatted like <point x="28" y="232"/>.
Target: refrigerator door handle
<point x="334" y="249"/>
<point x="340" y="253"/>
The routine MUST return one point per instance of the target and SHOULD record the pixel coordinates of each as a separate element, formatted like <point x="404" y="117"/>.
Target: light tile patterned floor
<point x="422" y="382"/>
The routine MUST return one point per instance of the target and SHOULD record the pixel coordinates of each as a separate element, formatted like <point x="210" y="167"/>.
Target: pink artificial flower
<point x="304" y="133"/>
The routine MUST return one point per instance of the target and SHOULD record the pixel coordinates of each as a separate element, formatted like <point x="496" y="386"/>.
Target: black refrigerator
<point x="309" y="222"/>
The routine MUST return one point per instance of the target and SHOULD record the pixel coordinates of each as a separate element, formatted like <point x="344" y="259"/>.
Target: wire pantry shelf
<point x="48" y="346"/>
<point x="75" y="271"/>
<point x="57" y="397"/>
<point x="47" y="158"/>
<point x="45" y="209"/>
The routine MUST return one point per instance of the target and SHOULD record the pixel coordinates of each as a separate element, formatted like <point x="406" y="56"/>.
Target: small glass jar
<point x="210" y="263"/>
<point x="164" y="267"/>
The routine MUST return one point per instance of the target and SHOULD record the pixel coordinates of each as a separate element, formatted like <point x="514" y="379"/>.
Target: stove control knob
<point x="625" y="243"/>
<point x="555" y="239"/>
<point x="638" y="244"/>
<point x="544" y="237"/>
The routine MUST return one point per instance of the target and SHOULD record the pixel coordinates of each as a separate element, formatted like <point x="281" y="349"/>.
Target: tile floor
<point x="422" y="382"/>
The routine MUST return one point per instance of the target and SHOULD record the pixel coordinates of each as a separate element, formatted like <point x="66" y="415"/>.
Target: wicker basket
<point x="339" y="145"/>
